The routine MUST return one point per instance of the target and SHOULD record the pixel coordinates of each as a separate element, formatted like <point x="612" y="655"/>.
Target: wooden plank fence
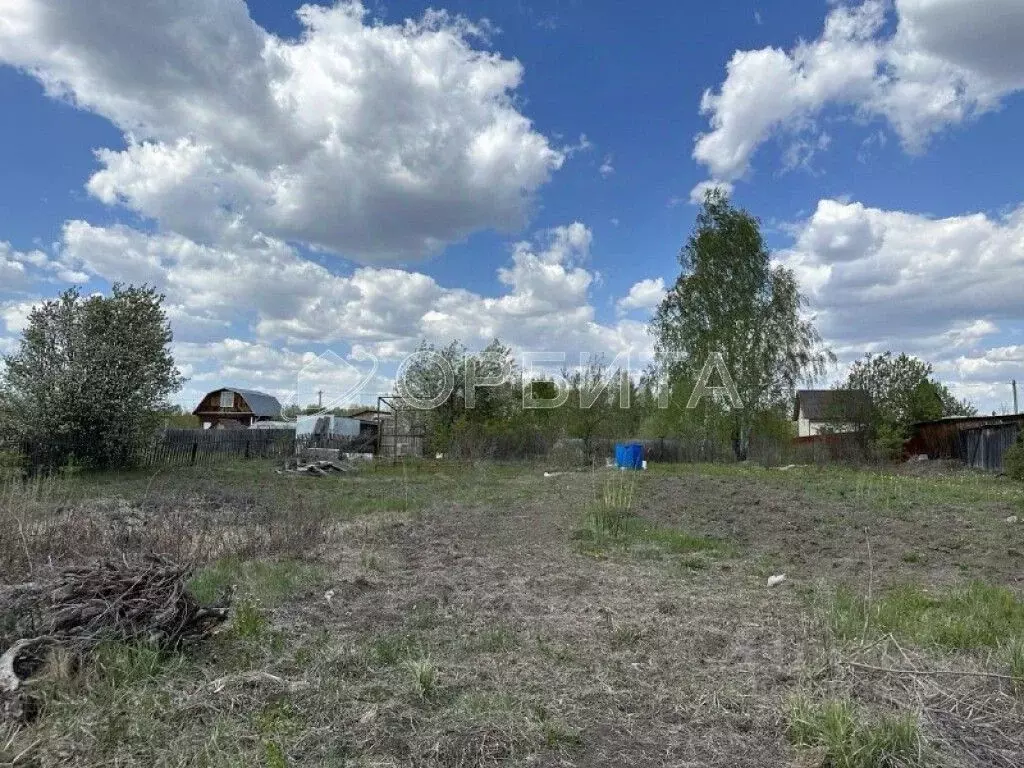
<point x="985" y="447"/>
<point x="191" y="447"/>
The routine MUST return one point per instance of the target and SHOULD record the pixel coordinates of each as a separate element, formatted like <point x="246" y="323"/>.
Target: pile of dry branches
<point x="128" y="600"/>
<point x="314" y="468"/>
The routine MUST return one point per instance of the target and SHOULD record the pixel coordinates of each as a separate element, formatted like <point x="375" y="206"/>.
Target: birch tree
<point x="730" y="299"/>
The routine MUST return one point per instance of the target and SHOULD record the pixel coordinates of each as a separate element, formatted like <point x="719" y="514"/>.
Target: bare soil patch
<point x="454" y="616"/>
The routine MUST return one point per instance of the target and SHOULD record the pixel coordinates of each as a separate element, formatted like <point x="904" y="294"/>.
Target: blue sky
<point x="345" y="179"/>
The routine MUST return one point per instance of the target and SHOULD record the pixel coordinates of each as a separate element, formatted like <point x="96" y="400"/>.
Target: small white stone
<point x="774" y="581"/>
<point x="1011" y="519"/>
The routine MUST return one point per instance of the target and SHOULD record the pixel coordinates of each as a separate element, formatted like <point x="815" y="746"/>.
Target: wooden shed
<point x="978" y="441"/>
<point x="237" y="408"/>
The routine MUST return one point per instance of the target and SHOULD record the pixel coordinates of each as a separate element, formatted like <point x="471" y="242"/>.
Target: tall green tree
<point x="704" y="432"/>
<point x="731" y="300"/>
<point x="903" y="391"/>
<point x="436" y="376"/>
<point x="475" y="396"/>
<point x="593" y="408"/>
<point x="90" y="378"/>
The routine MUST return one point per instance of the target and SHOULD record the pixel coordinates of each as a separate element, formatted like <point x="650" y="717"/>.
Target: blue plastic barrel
<point x="629" y="455"/>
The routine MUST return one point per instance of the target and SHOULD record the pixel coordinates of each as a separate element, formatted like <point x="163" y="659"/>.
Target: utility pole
<point x="1014" y="385"/>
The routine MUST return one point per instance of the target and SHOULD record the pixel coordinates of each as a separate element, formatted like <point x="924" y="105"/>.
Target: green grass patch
<point x="393" y="647"/>
<point x="1016" y="653"/>
<point x="879" y="489"/>
<point x="608" y="522"/>
<point x="627" y="636"/>
<point x="371" y="561"/>
<point x="270" y="582"/>
<point x="695" y="562"/>
<point x="248" y="621"/>
<point x="423" y="615"/>
<point x="120" y="700"/>
<point x="678" y="542"/>
<point x="118" y="665"/>
<point x="558" y="735"/>
<point x="277" y="719"/>
<point x="476" y="704"/>
<point x="274" y="755"/>
<point x="424" y="675"/>
<point x="496" y="640"/>
<point x="602" y="531"/>
<point x="978" y="615"/>
<point x="851" y="739"/>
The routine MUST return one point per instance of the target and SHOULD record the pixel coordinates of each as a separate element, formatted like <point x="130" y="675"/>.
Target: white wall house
<point x="828" y="411"/>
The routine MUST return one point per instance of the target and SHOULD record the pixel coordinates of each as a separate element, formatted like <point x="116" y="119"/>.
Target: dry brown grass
<point x="50" y="521"/>
<point x="540" y="652"/>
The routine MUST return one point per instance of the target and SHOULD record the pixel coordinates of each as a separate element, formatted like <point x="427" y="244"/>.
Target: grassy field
<point x="488" y="615"/>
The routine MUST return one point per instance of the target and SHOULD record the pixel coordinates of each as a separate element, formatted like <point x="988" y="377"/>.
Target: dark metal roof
<point x="262" y="405"/>
<point x="833" y="404"/>
<point x="369" y="415"/>
<point x="980" y="420"/>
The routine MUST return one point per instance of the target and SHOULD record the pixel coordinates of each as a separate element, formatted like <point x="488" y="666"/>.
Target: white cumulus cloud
<point x="284" y="298"/>
<point x="293" y="376"/>
<point x="700" y="191"/>
<point x="23" y="270"/>
<point x="877" y="274"/>
<point x="13" y="274"/>
<point x="376" y="141"/>
<point x="646" y="294"/>
<point x="941" y="288"/>
<point x="14" y="314"/>
<point x="249" y="314"/>
<point x="946" y="61"/>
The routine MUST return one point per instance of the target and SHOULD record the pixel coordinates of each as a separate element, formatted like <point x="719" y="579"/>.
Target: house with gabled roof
<point x="232" y="407"/>
<point x="831" y="411"/>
